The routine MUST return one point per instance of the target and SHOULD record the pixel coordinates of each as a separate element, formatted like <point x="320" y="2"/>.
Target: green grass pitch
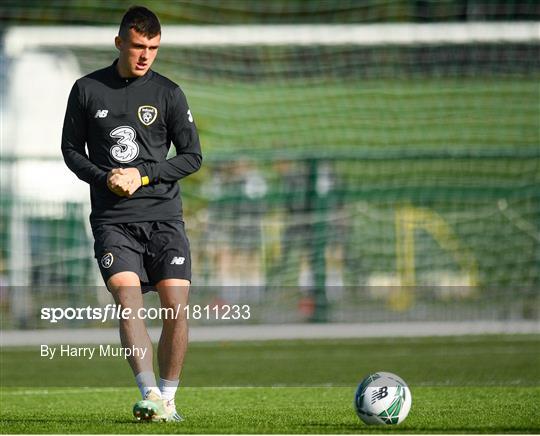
<point x="482" y="384"/>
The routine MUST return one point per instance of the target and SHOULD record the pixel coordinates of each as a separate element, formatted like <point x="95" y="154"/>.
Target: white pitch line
<point x="78" y="391"/>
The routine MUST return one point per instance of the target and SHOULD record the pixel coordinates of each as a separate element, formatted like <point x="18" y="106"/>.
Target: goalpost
<point x="21" y="38"/>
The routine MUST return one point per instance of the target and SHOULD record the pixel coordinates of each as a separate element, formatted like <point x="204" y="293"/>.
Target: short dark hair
<point x="142" y="20"/>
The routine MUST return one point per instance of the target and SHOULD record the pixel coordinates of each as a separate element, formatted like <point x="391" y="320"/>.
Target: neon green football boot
<point x="149" y="409"/>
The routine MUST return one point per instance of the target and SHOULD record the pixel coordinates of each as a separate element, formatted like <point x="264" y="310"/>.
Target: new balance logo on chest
<point x="177" y="260"/>
<point x="101" y="113"/>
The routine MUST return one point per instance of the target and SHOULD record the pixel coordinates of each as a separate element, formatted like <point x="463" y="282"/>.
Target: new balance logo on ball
<point x="101" y="113"/>
<point x="178" y="260"/>
<point x="379" y="394"/>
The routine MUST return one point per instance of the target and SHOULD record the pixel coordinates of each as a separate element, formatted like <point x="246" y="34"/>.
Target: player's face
<point x="137" y="53"/>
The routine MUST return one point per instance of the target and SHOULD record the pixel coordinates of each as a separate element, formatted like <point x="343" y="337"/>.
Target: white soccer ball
<point x="382" y="398"/>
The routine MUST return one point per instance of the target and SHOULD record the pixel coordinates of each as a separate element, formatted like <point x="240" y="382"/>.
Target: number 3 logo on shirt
<point x="125" y="149"/>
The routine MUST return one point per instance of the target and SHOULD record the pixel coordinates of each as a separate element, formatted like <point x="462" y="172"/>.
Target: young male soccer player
<point x="127" y="115"/>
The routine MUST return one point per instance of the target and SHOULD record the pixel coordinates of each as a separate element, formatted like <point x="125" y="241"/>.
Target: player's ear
<point x="118" y="42"/>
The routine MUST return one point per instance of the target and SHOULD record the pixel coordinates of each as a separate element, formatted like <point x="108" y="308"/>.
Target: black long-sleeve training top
<point x="130" y="123"/>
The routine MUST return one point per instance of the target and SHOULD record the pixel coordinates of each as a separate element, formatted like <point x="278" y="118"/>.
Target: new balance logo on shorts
<point x="101" y="113"/>
<point x="177" y="260"/>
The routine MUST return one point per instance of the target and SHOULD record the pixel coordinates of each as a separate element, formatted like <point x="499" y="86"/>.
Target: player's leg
<point x="125" y="288"/>
<point x="120" y="259"/>
<point x="173" y="294"/>
<point x="169" y="267"/>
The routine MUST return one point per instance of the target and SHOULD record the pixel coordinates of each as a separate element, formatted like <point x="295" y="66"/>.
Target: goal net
<point x="352" y="172"/>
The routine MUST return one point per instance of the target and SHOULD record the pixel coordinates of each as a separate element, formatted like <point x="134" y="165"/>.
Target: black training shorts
<point x="153" y="250"/>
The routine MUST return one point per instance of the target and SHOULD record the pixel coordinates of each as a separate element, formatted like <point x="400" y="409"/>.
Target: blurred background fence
<point x="387" y="169"/>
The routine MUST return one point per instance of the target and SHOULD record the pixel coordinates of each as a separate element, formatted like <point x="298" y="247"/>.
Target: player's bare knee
<point x="123" y="280"/>
<point x="173" y="293"/>
<point x="125" y="288"/>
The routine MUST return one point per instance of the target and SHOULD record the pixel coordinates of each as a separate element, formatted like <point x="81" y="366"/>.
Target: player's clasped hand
<point x="124" y="181"/>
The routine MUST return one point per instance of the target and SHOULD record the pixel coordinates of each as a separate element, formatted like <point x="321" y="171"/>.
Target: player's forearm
<point x="172" y="169"/>
<point x="82" y="167"/>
